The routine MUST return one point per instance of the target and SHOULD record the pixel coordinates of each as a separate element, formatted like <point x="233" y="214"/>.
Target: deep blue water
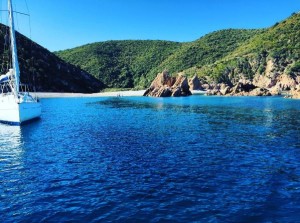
<point x="135" y="159"/>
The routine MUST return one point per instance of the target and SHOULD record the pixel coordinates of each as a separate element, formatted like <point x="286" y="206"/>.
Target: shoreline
<point x="87" y="95"/>
<point x="139" y="93"/>
<point x="100" y="94"/>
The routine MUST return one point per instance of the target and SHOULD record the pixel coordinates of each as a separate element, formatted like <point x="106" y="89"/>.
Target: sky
<point x="64" y="24"/>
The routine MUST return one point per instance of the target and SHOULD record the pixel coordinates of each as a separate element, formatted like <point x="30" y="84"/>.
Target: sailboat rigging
<point x="17" y="105"/>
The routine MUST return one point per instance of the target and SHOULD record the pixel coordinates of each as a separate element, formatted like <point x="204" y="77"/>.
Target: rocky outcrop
<point x="276" y="90"/>
<point x="195" y="83"/>
<point x="264" y="81"/>
<point x="286" y="82"/>
<point x="276" y="83"/>
<point x="166" y="86"/>
<point x="224" y="89"/>
<point x="259" y="92"/>
<point x="163" y="79"/>
<point x="240" y="89"/>
<point x="295" y="92"/>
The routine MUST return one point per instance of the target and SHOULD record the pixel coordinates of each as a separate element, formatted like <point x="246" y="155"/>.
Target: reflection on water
<point x="10" y="137"/>
<point x="11" y="150"/>
<point x="264" y="114"/>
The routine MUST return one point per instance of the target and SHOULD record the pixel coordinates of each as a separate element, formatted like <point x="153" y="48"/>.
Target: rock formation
<point x="195" y="83"/>
<point x="166" y="86"/>
<point x="285" y="82"/>
<point x="295" y="92"/>
<point x="240" y="89"/>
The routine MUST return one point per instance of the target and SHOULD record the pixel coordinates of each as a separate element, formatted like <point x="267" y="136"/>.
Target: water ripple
<point x="194" y="159"/>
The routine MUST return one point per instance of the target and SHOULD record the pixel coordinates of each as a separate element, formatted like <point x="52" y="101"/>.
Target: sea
<point x="141" y="159"/>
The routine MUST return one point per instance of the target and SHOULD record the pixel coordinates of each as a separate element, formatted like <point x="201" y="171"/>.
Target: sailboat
<point x="17" y="105"/>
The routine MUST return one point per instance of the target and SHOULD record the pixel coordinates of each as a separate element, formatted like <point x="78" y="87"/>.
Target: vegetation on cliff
<point x="43" y="69"/>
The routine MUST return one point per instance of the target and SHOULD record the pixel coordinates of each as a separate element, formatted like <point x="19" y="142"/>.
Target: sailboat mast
<point x="15" y="62"/>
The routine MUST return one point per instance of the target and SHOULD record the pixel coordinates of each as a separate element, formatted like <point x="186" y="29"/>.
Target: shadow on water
<point x="218" y="114"/>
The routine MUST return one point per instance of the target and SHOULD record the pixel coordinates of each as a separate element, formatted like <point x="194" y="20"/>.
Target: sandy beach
<point x="101" y="94"/>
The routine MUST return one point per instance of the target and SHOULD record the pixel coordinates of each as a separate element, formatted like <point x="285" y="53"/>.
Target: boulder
<point x="182" y="83"/>
<point x="260" y="92"/>
<point x="163" y="79"/>
<point x="176" y="92"/>
<point x="211" y="92"/>
<point x="264" y="81"/>
<point x="286" y="82"/>
<point x="217" y="87"/>
<point x="240" y="88"/>
<point x="276" y="90"/>
<point x="195" y="83"/>
<point x="164" y="92"/>
<point x="225" y="90"/>
<point x="206" y="87"/>
<point x="166" y="86"/>
<point x="295" y="92"/>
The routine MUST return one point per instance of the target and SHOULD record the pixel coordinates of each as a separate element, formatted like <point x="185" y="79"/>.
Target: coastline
<point x="82" y="95"/>
<point x="100" y="94"/>
<point x="114" y="94"/>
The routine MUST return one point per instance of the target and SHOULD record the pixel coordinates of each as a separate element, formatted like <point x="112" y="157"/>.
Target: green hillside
<point x="207" y="49"/>
<point x="43" y="69"/>
<point x="121" y="63"/>
<point x="279" y="44"/>
<point x="282" y="39"/>
<point x="221" y="56"/>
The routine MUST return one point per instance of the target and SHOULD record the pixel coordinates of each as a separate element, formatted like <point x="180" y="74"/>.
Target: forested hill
<point x="207" y="50"/>
<point x="272" y="52"/>
<point x="132" y="63"/>
<point x="121" y="63"/>
<point x="221" y="56"/>
<point x="43" y="69"/>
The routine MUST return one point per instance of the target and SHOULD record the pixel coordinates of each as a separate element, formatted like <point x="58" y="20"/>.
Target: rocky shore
<point x="294" y="93"/>
<point x="240" y="89"/>
<point x="164" y="85"/>
<point x="258" y="87"/>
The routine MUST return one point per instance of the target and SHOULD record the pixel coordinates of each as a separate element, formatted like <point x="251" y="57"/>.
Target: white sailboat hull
<point x="17" y="106"/>
<point x="17" y="113"/>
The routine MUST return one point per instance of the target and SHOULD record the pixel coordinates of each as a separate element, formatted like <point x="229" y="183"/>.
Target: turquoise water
<point x="135" y="159"/>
